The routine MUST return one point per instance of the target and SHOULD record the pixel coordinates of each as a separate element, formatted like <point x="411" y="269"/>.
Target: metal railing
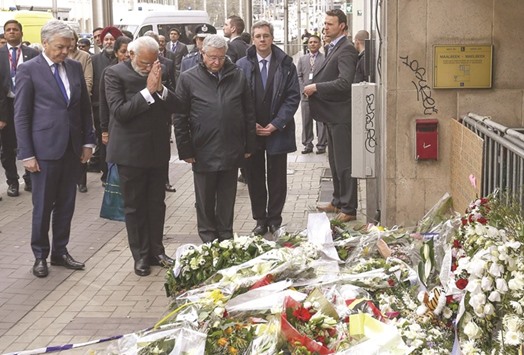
<point x="503" y="158"/>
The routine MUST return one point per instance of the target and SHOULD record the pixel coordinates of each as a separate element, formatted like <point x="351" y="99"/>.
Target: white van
<point x="161" y="22"/>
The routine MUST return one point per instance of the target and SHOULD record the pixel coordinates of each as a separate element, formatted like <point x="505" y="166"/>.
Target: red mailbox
<point x="427" y="139"/>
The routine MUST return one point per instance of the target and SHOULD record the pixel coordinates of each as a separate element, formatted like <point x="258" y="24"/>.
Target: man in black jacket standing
<point x="273" y="82"/>
<point x="215" y="133"/>
<point x="140" y="109"/>
<point x="233" y="28"/>
<point x="11" y="56"/>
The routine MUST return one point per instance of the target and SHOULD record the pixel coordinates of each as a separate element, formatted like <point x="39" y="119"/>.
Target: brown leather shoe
<point x="342" y="217"/>
<point x="328" y="208"/>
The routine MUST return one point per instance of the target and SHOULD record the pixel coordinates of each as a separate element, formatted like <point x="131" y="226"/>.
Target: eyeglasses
<point x="215" y="59"/>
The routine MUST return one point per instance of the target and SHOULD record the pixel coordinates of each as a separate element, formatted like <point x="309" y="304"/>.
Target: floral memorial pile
<point x="452" y="285"/>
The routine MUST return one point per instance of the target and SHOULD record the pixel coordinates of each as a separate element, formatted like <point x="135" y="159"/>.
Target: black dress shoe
<point x="307" y="150"/>
<point x="12" y="190"/>
<point x="67" y="261"/>
<point x="170" y="188"/>
<point x="40" y="268"/>
<point x="82" y="188"/>
<point x="273" y="228"/>
<point x="28" y="187"/>
<point x="162" y="260"/>
<point x="321" y="150"/>
<point x="142" y="267"/>
<point x="260" y="229"/>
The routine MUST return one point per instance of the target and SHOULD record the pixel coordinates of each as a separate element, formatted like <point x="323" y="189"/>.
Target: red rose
<point x="288" y="245"/>
<point x="302" y="314"/>
<point x="483" y="201"/>
<point x="461" y="283"/>
<point x="456" y="244"/>
<point x="453" y="267"/>
<point x="482" y="220"/>
<point x="332" y="332"/>
<point x="464" y="221"/>
<point x="449" y="299"/>
<point x="391" y="282"/>
<point x="321" y="339"/>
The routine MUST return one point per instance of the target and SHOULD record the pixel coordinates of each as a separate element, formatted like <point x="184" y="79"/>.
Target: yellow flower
<point x="222" y="342"/>
<point x="233" y="350"/>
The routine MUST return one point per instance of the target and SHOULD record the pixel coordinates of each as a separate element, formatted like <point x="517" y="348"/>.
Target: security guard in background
<point x="195" y="57"/>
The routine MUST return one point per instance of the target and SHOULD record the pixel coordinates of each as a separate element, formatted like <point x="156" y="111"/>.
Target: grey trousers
<point x="307" y="129"/>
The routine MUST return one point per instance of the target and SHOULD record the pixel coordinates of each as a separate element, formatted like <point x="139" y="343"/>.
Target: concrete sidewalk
<point x="107" y="298"/>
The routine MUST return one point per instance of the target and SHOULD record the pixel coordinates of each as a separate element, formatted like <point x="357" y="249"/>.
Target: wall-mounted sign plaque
<point x="462" y="67"/>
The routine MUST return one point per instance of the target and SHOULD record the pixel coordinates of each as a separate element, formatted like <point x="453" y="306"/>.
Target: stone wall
<point x="409" y="29"/>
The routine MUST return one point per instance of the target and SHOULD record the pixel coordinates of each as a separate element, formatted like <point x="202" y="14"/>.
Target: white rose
<point x="474" y="286"/>
<point x="494" y="296"/>
<point x="489" y="309"/>
<point x="496" y="269"/>
<point x="502" y="286"/>
<point x="514" y="245"/>
<point x="477" y="301"/>
<point x="487" y="283"/>
<point x="472" y="331"/>
<point x="477" y="268"/>
<point x="219" y="311"/>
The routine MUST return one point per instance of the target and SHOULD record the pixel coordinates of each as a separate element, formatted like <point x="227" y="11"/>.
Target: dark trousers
<point x="9" y="145"/>
<point x="99" y="155"/>
<point x="54" y="194"/>
<point x="143" y="190"/>
<point x="215" y="194"/>
<point x="339" y="154"/>
<point x="307" y="129"/>
<point x="267" y="201"/>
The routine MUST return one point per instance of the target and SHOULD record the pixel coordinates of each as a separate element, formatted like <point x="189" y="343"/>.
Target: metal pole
<point x="55" y="9"/>
<point x="286" y="26"/>
<point x="248" y="19"/>
<point x="225" y="10"/>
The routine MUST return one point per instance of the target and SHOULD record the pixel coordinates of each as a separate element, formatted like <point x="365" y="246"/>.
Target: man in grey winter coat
<point x="215" y="133"/>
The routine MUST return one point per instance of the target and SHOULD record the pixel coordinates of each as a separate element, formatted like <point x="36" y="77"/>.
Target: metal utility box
<point x="364" y="130"/>
<point x="427" y="139"/>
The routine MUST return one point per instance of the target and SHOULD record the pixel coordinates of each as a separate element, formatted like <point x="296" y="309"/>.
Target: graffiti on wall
<point x="371" y="138"/>
<point x="421" y="86"/>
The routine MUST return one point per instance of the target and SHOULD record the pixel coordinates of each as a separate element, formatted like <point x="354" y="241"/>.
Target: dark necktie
<point x="263" y="73"/>
<point x="14" y="61"/>
<point x="173" y="47"/>
<point x="329" y="48"/>
<point x="60" y="82"/>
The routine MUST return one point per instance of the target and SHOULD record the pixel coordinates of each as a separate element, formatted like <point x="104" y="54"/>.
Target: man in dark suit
<point x="101" y="61"/>
<point x="330" y="102"/>
<point x="140" y="110"/>
<point x="272" y="77"/>
<point x="54" y="128"/>
<point x="177" y="47"/>
<point x="237" y="47"/>
<point x="11" y="56"/>
<point x="361" y="73"/>
<point x="305" y="68"/>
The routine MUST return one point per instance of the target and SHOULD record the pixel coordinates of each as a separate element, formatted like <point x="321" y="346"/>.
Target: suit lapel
<point x="330" y="55"/>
